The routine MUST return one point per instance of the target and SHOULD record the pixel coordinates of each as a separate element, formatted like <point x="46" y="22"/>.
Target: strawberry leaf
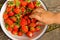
<point x="11" y="3"/>
<point x="38" y="3"/>
<point x="17" y="3"/>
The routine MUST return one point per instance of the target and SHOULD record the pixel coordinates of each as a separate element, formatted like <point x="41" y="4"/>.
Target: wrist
<point x="54" y="19"/>
<point x="57" y="18"/>
<point x="48" y="18"/>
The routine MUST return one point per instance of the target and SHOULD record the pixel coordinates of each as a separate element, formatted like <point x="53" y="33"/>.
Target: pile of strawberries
<point x="16" y="18"/>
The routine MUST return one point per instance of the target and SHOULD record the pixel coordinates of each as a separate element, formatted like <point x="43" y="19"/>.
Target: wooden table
<point x="52" y="5"/>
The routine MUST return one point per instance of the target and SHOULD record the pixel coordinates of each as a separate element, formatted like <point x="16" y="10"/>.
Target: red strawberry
<point x="28" y="21"/>
<point x="5" y="16"/>
<point x="12" y="25"/>
<point x="21" y="0"/>
<point x="20" y="33"/>
<point x="11" y="13"/>
<point x="23" y="22"/>
<point x="37" y="28"/>
<point x="34" y="3"/>
<point x="17" y="10"/>
<point x="14" y="18"/>
<point x="9" y="9"/>
<point x="31" y="5"/>
<point x="24" y="3"/>
<point x="29" y="34"/>
<point x="9" y="22"/>
<point x="14" y="32"/>
<point x="32" y="29"/>
<point x="33" y="20"/>
<point x="16" y="28"/>
<point x="23" y="9"/>
<point x="25" y="17"/>
<point x="32" y="25"/>
<point x="25" y="29"/>
<point x="9" y="28"/>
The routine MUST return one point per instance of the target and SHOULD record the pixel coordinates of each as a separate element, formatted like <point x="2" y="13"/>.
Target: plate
<point x="15" y="37"/>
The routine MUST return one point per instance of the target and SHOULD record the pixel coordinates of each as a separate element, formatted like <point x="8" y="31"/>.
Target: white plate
<point x="15" y="37"/>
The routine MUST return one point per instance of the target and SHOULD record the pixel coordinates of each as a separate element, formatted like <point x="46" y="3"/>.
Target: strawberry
<point x="24" y="29"/>
<point x="15" y="29"/>
<point x="12" y="25"/>
<point x="9" y="9"/>
<point x="29" y="34"/>
<point x="11" y="13"/>
<point x="25" y="17"/>
<point x="32" y="25"/>
<point x="34" y="2"/>
<point x="31" y="5"/>
<point x="37" y="28"/>
<point x="17" y="10"/>
<point x="14" y="18"/>
<point x="23" y="22"/>
<point x="24" y="3"/>
<point x="32" y="29"/>
<point x="14" y="32"/>
<point x="5" y="15"/>
<point x="28" y="21"/>
<point x="16" y="26"/>
<point x="23" y="9"/>
<point x="33" y="20"/>
<point x="9" y="28"/>
<point x="9" y="22"/>
<point x="20" y="33"/>
<point x="21" y="0"/>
